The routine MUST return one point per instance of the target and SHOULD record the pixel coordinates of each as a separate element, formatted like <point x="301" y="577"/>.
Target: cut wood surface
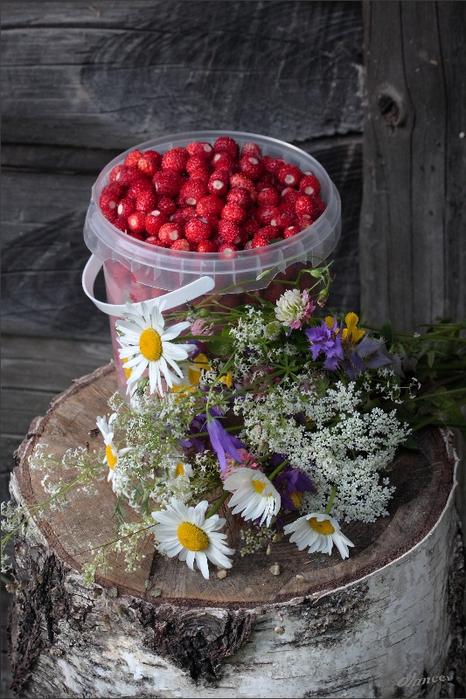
<point x="248" y="634"/>
<point x="117" y="74"/>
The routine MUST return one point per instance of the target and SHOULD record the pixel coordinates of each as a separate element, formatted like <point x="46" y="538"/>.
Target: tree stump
<point x="323" y="627"/>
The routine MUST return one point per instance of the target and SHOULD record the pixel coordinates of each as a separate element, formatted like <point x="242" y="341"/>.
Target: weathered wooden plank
<point x="122" y="73"/>
<point x="51" y="159"/>
<point x="413" y="219"/>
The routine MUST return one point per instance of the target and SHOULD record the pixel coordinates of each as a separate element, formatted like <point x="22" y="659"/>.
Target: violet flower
<point x="291" y="483"/>
<point x="370" y="353"/>
<point x="327" y="341"/>
<point x="222" y="442"/>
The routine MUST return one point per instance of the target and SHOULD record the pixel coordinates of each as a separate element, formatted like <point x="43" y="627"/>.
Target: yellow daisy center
<point x="112" y="458"/>
<point x="324" y="527"/>
<point x="192" y="537"/>
<point x="150" y="344"/>
<point x="179" y="471"/>
<point x="259" y="487"/>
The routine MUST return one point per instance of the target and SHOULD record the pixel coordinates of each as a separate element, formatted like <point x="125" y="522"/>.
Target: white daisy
<point x="254" y="495"/>
<point x="319" y="532"/>
<point x="179" y="469"/>
<point x="185" y="532"/>
<point x="145" y="344"/>
<point x="112" y="454"/>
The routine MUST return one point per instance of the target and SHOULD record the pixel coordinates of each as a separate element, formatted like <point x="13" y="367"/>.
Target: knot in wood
<point x="391" y="105"/>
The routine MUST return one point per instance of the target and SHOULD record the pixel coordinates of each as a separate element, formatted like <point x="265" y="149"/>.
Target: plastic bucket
<point x="136" y="271"/>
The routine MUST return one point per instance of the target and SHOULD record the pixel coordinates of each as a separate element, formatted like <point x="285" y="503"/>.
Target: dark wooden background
<point x="82" y="82"/>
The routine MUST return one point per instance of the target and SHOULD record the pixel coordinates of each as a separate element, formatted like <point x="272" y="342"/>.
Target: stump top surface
<point x="423" y="483"/>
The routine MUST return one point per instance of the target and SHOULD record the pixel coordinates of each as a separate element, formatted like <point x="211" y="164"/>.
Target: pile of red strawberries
<point x="206" y="198"/>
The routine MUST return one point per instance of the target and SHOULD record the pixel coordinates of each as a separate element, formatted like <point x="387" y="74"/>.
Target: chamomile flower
<point x="112" y="454"/>
<point x="146" y="345"/>
<point x="318" y="531"/>
<point x="185" y="532"/>
<point x="180" y="469"/>
<point x="253" y="495"/>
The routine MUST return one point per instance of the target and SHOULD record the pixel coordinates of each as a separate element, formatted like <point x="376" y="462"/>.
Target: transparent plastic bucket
<point x="137" y="271"/>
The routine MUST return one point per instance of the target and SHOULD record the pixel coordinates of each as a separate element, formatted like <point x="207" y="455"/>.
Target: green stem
<point x="331" y="499"/>
<point x="278" y="469"/>
<point x="218" y="504"/>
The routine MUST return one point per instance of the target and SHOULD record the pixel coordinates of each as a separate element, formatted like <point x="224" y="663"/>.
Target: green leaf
<point x="431" y="358"/>
<point x="387" y="333"/>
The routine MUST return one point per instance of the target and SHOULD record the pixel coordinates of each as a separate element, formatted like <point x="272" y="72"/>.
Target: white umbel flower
<point x="112" y="454"/>
<point x="145" y="344"/>
<point x="254" y="495"/>
<point x="185" y="532"/>
<point x="319" y="532"/>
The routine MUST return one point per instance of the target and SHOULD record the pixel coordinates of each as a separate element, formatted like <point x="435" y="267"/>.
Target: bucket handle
<point x="172" y="299"/>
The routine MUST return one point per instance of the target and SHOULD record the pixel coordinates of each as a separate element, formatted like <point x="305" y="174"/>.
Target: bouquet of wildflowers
<point x="285" y="413"/>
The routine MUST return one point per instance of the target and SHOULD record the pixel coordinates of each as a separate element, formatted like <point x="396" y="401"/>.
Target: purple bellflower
<point x="370" y="353"/>
<point x="222" y="442"/>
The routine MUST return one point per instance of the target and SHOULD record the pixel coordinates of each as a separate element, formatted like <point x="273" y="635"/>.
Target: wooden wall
<point x="83" y="82"/>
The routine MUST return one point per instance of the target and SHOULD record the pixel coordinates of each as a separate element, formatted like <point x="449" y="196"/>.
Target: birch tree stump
<point x="323" y="627"/>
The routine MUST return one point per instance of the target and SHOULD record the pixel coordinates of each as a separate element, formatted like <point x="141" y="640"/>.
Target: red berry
<point x="228" y="231"/>
<point x="115" y="172"/>
<point x="251" y="227"/>
<point x="239" y="195"/>
<point x="265" y="214"/>
<point x="227" y="249"/>
<point x="228" y="145"/>
<point x="206" y="246"/>
<point x="136" y="222"/>
<point x="154" y="221"/>
<point x="108" y="201"/>
<point x="321" y="204"/>
<point x="285" y="218"/>
<point x="250" y="149"/>
<point x="138" y="186"/>
<point x="212" y="220"/>
<point x="189" y="212"/>
<point x="202" y="149"/>
<point x="197" y="230"/>
<point x="153" y="155"/>
<point x="192" y="191"/>
<point x="167" y="205"/>
<point x="196" y="162"/>
<point x="146" y="202"/>
<point x="132" y="158"/>
<point x="202" y="175"/>
<point x="154" y="240"/>
<point x="303" y="222"/>
<point x="251" y="167"/>
<point x="148" y="166"/>
<point x="209" y="205"/>
<point x="240" y="180"/>
<point x="170" y="232"/>
<point x="259" y="241"/>
<point x="291" y="231"/>
<point x="222" y="161"/>
<point x="167" y="183"/>
<point x="272" y="165"/>
<point x="219" y="183"/>
<point x="268" y="196"/>
<point x="309" y="184"/>
<point x="125" y="208"/>
<point x="175" y="159"/>
<point x="307" y="206"/>
<point x="270" y="232"/>
<point x="181" y="244"/>
<point x="120" y="224"/>
<point x="289" y="175"/>
<point x="127" y="175"/>
<point x="178" y="217"/>
<point x="290" y="196"/>
<point x="266" y="180"/>
<point x="234" y="212"/>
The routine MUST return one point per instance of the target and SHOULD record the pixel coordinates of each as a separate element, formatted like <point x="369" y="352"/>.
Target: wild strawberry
<point x="153" y="155"/>
<point x="178" y="217"/>
<point x="259" y="241"/>
<point x="240" y="180"/>
<point x="203" y="150"/>
<point x="290" y="195"/>
<point x="321" y="204"/>
<point x="285" y="217"/>
<point x="110" y="214"/>
<point x="196" y="162"/>
<point x="289" y="175"/>
<point x="170" y="232"/>
<point x="270" y="232"/>
<point x="228" y="145"/>
<point x="181" y="244"/>
<point x="146" y="202"/>
<point x="222" y="161"/>
<point x="125" y="208"/>
<point x="251" y="227"/>
<point x="109" y="200"/>
<point x="303" y="222"/>
<point x="121" y="224"/>
<point x="309" y="184"/>
<point x="115" y="172"/>
<point x="268" y="196"/>
<point x="154" y="221"/>
<point x="197" y="230"/>
<point x="175" y="159"/>
<point x="228" y="231"/>
<point x="147" y="166"/>
<point x="272" y="165"/>
<point x="227" y="249"/>
<point x="138" y="186"/>
<point x="132" y="158"/>
<point x="167" y="183"/>
<point x="266" y="180"/>
<point x="136" y="222"/>
<point x="209" y="205"/>
<point x="189" y="212"/>
<point x="248" y="245"/>
<point x="239" y="195"/>
<point x="206" y="246"/>
<point x="250" y="149"/>
<point x="167" y="205"/>
<point x="251" y="167"/>
<point x="307" y="206"/>
<point x="290" y="231"/>
<point x="192" y="191"/>
<point x="202" y="175"/>
<point x="127" y="175"/>
<point x="234" y="212"/>
<point x="219" y="183"/>
<point x="155" y="240"/>
<point x="266" y="213"/>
